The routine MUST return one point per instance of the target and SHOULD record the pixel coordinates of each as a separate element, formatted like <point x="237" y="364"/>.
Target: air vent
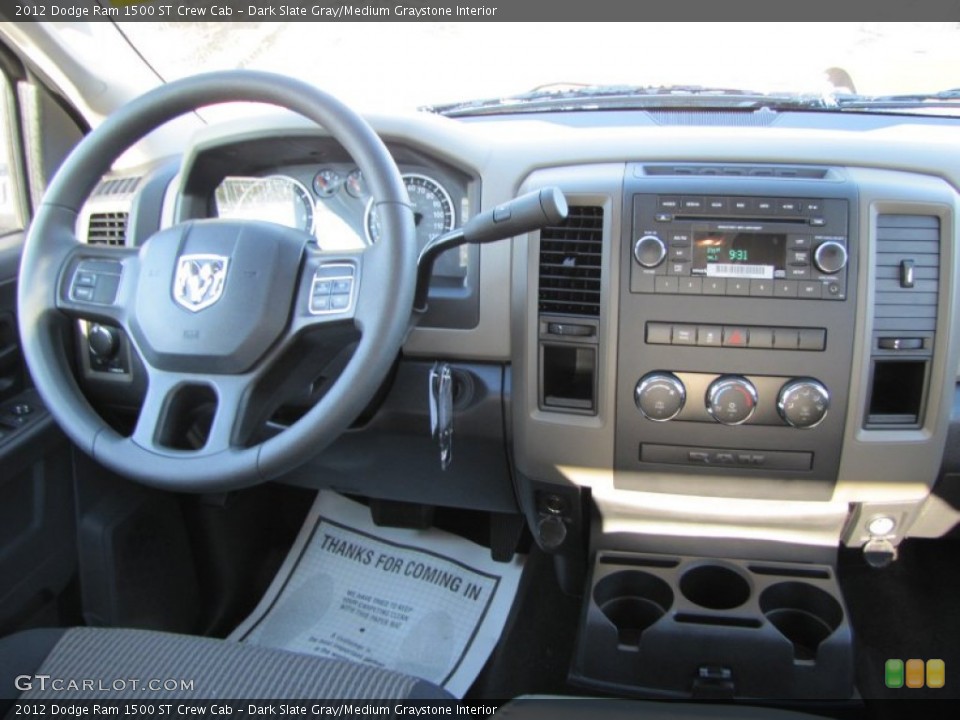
<point x="778" y="171"/>
<point x="107" y="228"/>
<point x="904" y="242"/>
<point x="685" y="118"/>
<point x="570" y="254"/>
<point x="114" y="187"/>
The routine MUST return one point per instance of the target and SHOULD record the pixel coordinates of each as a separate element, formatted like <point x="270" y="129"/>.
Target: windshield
<point x="401" y="66"/>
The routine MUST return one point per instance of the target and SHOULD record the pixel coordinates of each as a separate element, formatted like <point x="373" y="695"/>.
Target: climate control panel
<point x="662" y="396"/>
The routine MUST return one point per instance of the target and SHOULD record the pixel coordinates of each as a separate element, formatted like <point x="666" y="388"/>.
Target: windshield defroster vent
<point x="570" y="254"/>
<point x="107" y="228"/>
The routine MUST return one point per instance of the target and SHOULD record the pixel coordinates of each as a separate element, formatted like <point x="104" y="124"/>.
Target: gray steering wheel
<point x="219" y="311"/>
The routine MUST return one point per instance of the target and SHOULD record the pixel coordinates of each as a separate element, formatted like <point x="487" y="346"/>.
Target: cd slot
<point x="742" y="219"/>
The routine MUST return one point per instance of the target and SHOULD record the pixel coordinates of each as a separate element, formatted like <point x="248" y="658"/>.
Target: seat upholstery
<point x="218" y="669"/>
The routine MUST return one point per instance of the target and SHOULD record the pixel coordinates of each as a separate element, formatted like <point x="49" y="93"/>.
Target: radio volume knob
<point x="649" y="251"/>
<point x="803" y="403"/>
<point x="731" y="399"/>
<point x="830" y="257"/>
<point x="660" y="396"/>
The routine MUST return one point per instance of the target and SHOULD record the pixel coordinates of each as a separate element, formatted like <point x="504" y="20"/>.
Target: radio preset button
<point x="761" y="288"/>
<point x="691" y="285"/>
<point x="785" y="288"/>
<point x="649" y="251"/>
<point x="667" y="284"/>
<point x="738" y="287"/>
<point x="714" y="286"/>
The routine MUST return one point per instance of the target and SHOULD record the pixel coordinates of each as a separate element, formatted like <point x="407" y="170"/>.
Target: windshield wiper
<point x="566" y="97"/>
<point x="942" y="98"/>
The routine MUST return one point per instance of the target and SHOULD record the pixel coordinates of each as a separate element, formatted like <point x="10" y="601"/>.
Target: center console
<point x="736" y="334"/>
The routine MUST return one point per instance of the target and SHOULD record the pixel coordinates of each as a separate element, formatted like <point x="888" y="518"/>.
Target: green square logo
<point x="893" y="673"/>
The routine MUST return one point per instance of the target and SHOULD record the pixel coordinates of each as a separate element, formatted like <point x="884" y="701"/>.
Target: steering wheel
<point x="217" y="310"/>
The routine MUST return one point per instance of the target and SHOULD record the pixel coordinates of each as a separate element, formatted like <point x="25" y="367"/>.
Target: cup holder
<point x="804" y="614"/>
<point x="715" y="587"/>
<point x="632" y="601"/>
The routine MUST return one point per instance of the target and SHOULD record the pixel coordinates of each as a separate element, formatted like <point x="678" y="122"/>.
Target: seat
<point x="101" y="663"/>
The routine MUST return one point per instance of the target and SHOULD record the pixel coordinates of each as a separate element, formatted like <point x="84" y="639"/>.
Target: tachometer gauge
<point x="433" y="210"/>
<point x="326" y="183"/>
<point x="278" y="198"/>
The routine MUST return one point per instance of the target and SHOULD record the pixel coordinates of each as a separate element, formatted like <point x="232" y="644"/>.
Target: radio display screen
<point x="738" y="254"/>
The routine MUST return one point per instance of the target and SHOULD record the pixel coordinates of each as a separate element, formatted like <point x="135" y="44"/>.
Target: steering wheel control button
<point x="96" y="281"/>
<point x="803" y="403"/>
<point x="731" y="400"/>
<point x="649" y="251"/>
<point x="332" y="289"/>
<point x="660" y="396"/>
<point x="830" y="257"/>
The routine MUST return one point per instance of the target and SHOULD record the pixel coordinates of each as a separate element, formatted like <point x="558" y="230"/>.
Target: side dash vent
<point x="107" y="228"/>
<point x="570" y="264"/>
<point x="908" y="270"/>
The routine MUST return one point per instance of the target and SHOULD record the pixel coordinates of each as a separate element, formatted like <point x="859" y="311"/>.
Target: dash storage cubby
<point x="680" y="626"/>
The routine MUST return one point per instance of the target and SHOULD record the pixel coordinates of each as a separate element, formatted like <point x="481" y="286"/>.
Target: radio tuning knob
<point x="803" y="403"/>
<point x="660" y="396"/>
<point x="731" y="399"/>
<point x="830" y="257"/>
<point x="649" y="251"/>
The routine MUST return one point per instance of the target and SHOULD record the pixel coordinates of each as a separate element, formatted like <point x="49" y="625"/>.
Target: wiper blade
<point x="567" y="97"/>
<point x="942" y="98"/>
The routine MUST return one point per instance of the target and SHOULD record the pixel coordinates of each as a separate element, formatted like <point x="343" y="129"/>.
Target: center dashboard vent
<point x="570" y="263"/>
<point x="107" y="228"/>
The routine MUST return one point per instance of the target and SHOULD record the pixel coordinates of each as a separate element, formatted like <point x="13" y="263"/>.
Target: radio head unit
<point x="717" y="245"/>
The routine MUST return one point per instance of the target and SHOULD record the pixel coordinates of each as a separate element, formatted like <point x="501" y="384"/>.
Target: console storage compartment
<point x="675" y="626"/>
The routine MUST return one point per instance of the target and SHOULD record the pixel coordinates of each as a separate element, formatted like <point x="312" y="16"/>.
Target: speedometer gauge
<point x="278" y="198"/>
<point x="433" y="210"/>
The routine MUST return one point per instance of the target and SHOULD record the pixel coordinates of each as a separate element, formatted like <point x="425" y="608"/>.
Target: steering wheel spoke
<point x="95" y="283"/>
<point x="192" y="415"/>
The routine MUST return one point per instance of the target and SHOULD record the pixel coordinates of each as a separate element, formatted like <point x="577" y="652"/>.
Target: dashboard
<point x="744" y="332"/>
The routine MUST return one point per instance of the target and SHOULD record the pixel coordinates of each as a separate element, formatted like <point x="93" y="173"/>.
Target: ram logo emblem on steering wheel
<point x="199" y="281"/>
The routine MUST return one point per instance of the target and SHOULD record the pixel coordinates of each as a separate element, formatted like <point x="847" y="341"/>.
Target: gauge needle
<point x="417" y="217"/>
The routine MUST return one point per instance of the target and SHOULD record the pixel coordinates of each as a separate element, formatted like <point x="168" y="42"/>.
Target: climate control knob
<point x="731" y="399"/>
<point x="803" y="403"/>
<point x="830" y="257"/>
<point x="660" y="396"/>
<point x="649" y="251"/>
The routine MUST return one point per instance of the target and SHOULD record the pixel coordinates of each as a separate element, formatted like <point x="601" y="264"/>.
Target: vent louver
<point x="570" y="255"/>
<point x="107" y="228"/>
<point x="900" y="238"/>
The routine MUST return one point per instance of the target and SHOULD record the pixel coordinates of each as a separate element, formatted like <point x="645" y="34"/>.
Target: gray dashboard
<point x="864" y="460"/>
